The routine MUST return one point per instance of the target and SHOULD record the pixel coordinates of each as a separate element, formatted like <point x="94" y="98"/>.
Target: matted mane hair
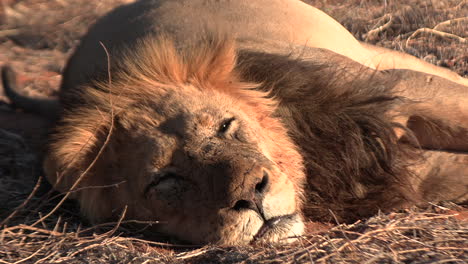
<point x="143" y="73"/>
<point x="343" y="125"/>
<point x="354" y="163"/>
<point x="156" y="65"/>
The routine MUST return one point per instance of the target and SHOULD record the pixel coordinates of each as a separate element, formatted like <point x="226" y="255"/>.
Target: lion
<point x="233" y="122"/>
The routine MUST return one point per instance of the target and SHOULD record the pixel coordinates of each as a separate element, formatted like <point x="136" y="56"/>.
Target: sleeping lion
<point x="234" y="122"/>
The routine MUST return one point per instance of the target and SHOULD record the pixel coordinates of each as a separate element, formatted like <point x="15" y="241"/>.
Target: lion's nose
<point x="252" y="199"/>
<point x="261" y="186"/>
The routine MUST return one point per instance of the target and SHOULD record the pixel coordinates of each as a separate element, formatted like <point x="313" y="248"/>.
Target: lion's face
<point x="190" y="146"/>
<point x="202" y="165"/>
<point x="209" y="176"/>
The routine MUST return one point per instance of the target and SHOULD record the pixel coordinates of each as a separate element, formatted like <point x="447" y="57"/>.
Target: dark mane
<point x="354" y="163"/>
<point x="340" y="119"/>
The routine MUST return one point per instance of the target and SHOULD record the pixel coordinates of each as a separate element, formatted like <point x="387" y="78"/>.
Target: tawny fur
<point x="337" y="139"/>
<point x="353" y="160"/>
<point x="136" y="84"/>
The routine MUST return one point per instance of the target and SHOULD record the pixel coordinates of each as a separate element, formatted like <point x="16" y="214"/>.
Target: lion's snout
<point x="251" y="195"/>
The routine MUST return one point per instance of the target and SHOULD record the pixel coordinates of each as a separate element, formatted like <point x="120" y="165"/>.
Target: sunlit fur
<point x="152" y="85"/>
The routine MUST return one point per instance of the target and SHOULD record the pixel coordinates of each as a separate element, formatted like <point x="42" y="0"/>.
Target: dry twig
<point x="450" y="22"/>
<point x="372" y="34"/>
<point x="435" y="32"/>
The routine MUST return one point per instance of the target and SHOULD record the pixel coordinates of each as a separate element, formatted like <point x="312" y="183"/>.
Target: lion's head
<point x="176" y="137"/>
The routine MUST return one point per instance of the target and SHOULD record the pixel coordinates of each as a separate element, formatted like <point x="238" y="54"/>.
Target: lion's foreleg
<point x="442" y="176"/>
<point x="386" y="59"/>
<point x="436" y="110"/>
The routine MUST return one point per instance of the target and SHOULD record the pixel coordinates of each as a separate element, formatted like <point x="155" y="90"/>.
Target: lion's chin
<point x="280" y="229"/>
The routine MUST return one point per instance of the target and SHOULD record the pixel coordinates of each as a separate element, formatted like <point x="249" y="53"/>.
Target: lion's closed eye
<point x="163" y="182"/>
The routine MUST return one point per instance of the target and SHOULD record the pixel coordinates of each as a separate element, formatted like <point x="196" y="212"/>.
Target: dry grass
<point x="435" y="235"/>
<point x="36" y="36"/>
<point x="392" y="23"/>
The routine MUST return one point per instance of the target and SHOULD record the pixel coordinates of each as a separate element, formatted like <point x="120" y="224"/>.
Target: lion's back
<point x="264" y="25"/>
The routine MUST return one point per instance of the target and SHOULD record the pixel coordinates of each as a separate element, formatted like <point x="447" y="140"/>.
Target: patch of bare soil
<point x="36" y="37"/>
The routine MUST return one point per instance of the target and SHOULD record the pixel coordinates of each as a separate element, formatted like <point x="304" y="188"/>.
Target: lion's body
<point x="264" y="25"/>
<point x="268" y="109"/>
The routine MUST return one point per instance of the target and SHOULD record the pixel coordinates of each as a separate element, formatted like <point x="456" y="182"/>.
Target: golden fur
<point x="233" y="137"/>
<point x="207" y="70"/>
<point x="375" y="171"/>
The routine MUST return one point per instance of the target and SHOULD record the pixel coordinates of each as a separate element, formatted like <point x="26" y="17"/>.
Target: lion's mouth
<point x="279" y="227"/>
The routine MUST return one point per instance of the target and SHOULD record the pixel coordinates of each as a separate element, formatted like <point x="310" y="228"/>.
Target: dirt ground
<point x="36" y="38"/>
